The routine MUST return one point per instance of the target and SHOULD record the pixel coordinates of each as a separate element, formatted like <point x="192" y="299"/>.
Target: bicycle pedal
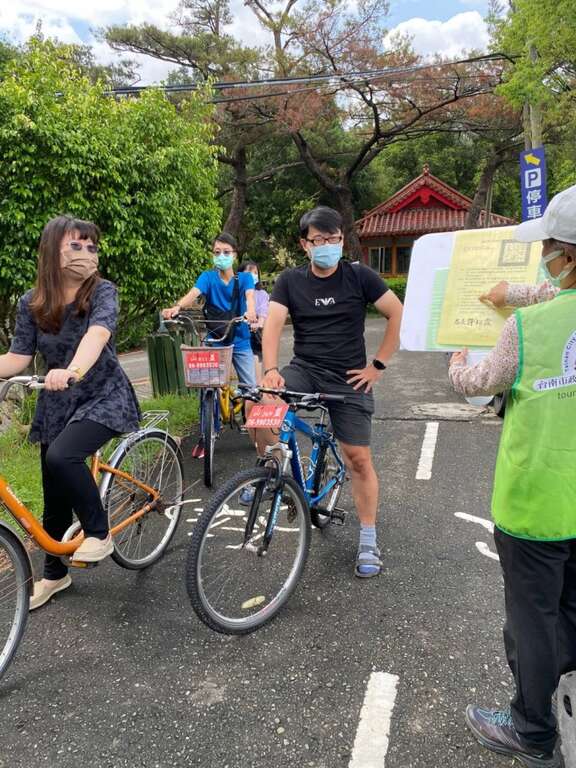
<point x="338" y="516"/>
<point x="81" y="564"/>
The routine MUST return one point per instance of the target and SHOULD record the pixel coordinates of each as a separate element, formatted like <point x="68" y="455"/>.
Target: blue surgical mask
<point x="326" y="256"/>
<point x="556" y="281"/>
<point x="223" y="261"/>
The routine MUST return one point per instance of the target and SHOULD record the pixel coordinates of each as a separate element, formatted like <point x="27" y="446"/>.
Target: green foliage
<point x="143" y="170"/>
<point x="454" y="158"/>
<point x="549" y="27"/>
<point x="183" y="411"/>
<point x="20" y="462"/>
<point x="398" y="285"/>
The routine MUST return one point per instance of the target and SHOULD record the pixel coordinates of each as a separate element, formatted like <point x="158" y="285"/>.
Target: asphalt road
<point x="118" y="671"/>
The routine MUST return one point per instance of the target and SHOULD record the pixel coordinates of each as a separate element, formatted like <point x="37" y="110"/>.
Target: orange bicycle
<point x="141" y="487"/>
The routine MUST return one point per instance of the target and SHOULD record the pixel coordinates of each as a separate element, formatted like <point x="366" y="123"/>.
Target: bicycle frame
<point x="319" y="436"/>
<point x="28" y="522"/>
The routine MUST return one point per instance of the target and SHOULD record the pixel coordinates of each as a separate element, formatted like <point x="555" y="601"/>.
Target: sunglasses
<point x="76" y="246"/>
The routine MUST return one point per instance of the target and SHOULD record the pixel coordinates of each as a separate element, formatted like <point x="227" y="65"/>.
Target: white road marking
<point x="424" y="471"/>
<point x="488" y="524"/>
<point x="191" y="519"/>
<point x="371" y="744"/>
<point x="220" y="522"/>
<point x="484" y="549"/>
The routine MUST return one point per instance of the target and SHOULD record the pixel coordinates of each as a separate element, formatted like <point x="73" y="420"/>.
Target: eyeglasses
<point x="223" y="253"/>
<point x="319" y="240"/>
<point x="76" y="246"/>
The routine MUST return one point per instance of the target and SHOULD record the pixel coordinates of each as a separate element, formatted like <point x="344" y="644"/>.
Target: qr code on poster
<point x="514" y="254"/>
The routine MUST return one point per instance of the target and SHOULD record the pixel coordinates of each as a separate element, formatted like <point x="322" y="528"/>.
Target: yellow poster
<point x="480" y="259"/>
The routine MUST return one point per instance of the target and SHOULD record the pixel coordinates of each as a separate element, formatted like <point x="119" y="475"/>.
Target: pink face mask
<point x="80" y="265"/>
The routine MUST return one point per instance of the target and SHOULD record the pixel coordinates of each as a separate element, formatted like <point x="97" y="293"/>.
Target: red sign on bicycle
<point x="200" y="359"/>
<point x="267" y="415"/>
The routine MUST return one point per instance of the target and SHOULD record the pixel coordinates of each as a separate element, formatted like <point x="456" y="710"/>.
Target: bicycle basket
<point x="206" y="366"/>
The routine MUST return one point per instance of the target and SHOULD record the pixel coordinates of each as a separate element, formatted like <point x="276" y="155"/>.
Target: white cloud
<point x="451" y="38"/>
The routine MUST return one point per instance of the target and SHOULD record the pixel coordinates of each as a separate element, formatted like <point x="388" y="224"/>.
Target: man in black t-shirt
<point x="326" y="300"/>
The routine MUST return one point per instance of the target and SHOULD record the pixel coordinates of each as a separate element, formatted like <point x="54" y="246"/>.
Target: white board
<point x="429" y="253"/>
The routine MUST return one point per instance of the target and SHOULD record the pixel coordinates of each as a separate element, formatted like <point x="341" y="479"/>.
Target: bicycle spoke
<point x="237" y="582"/>
<point x="152" y="461"/>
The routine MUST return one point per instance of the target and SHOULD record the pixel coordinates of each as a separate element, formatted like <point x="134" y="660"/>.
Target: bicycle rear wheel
<point x="209" y="434"/>
<point x="234" y="588"/>
<point x="15" y="586"/>
<point x="154" y="459"/>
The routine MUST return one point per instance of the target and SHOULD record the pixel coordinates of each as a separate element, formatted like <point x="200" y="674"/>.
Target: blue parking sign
<point x="533" y="183"/>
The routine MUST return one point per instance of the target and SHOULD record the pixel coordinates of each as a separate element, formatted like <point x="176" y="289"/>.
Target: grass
<point x="20" y="460"/>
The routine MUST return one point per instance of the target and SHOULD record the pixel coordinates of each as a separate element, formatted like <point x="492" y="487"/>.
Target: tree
<point x="391" y="97"/>
<point x="145" y="172"/>
<point x="390" y="100"/>
<point x="548" y="27"/>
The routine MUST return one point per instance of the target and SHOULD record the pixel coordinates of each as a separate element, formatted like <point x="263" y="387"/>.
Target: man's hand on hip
<point x="364" y="377"/>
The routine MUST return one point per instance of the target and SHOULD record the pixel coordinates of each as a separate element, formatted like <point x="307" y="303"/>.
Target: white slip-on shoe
<point x="93" y="550"/>
<point x="46" y="588"/>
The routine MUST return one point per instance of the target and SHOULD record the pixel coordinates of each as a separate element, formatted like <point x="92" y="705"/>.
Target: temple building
<point x="425" y="205"/>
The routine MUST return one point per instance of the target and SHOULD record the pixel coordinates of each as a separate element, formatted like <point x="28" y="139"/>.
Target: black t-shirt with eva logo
<point x="328" y="313"/>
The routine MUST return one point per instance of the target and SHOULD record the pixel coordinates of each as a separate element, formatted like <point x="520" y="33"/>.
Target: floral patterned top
<point x="104" y="395"/>
<point x="497" y="371"/>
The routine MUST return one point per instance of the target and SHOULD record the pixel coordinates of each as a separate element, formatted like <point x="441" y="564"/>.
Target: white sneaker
<point x="46" y="588"/>
<point x="93" y="550"/>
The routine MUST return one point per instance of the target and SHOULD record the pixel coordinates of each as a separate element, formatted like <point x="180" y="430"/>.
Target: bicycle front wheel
<point x="234" y="586"/>
<point x="209" y="434"/>
<point x="15" y="586"/>
<point x="154" y="459"/>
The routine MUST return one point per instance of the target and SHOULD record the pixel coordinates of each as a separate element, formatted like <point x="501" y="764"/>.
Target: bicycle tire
<point x="293" y="518"/>
<point x="15" y="589"/>
<point x="155" y="459"/>
<point x="209" y="435"/>
<point x="322" y="475"/>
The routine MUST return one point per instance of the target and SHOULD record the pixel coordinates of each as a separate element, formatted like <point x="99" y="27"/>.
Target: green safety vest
<point x="535" y="482"/>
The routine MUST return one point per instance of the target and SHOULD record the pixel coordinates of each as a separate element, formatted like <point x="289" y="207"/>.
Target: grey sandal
<point x="368" y="557"/>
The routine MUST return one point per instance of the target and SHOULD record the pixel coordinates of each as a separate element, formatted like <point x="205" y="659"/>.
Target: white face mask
<point x="556" y="281"/>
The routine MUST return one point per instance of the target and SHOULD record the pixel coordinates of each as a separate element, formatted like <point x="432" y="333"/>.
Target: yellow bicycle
<point x="208" y="368"/>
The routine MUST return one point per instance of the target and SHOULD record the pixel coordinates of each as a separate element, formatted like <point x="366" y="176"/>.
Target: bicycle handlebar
<point x="300" y="399"/>
<point x="195" y="324"/>
<point x="30" y="382"/>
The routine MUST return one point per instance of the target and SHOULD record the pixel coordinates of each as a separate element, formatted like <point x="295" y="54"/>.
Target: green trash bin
<point x="165" y="361"/>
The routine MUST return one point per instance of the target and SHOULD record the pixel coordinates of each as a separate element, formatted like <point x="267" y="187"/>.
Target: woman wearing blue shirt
<point x="217" y="285"/>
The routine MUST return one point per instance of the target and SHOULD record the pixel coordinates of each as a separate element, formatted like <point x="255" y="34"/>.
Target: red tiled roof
<point x="418" y="221"/>
<point x="424" y="205"/>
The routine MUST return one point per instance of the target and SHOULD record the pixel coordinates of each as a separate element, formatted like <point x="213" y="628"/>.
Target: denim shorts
<point x="351" y="420"/>
<point x="243" y="362"/>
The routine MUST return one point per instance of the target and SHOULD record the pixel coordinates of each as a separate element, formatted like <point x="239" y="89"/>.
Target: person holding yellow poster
<point x="534" y="496"/>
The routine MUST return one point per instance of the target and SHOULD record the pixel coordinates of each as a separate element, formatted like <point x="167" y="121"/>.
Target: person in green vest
<point x="534" y="496"/>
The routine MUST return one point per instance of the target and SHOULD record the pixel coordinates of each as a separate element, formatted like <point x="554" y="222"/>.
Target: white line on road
<point x="488" y="524"/>
<point x="484" y="549"/>
<point x="371" y="742"/>
<point x="424" y="471"/>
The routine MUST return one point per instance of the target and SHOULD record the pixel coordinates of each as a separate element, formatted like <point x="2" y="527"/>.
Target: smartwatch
<point x="378" y="364"/>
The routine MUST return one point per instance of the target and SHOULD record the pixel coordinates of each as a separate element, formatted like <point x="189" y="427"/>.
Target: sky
<point x="449" y="27"/>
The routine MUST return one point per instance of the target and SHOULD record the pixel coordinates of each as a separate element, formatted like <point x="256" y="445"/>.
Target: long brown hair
<point x="47" y="303"/>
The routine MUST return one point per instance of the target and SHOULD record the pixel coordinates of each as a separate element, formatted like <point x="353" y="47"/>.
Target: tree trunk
<point x="481" y="197"/>
<point x="346" y="208"/>
<point x="240" y="184"/>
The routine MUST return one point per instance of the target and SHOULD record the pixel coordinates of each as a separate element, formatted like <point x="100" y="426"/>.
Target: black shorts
<point x="351" y="420"/>
<point x="256" y="343"/>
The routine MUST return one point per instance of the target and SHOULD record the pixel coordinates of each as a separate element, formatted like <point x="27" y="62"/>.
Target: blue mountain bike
<point x="245" y="562"/>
